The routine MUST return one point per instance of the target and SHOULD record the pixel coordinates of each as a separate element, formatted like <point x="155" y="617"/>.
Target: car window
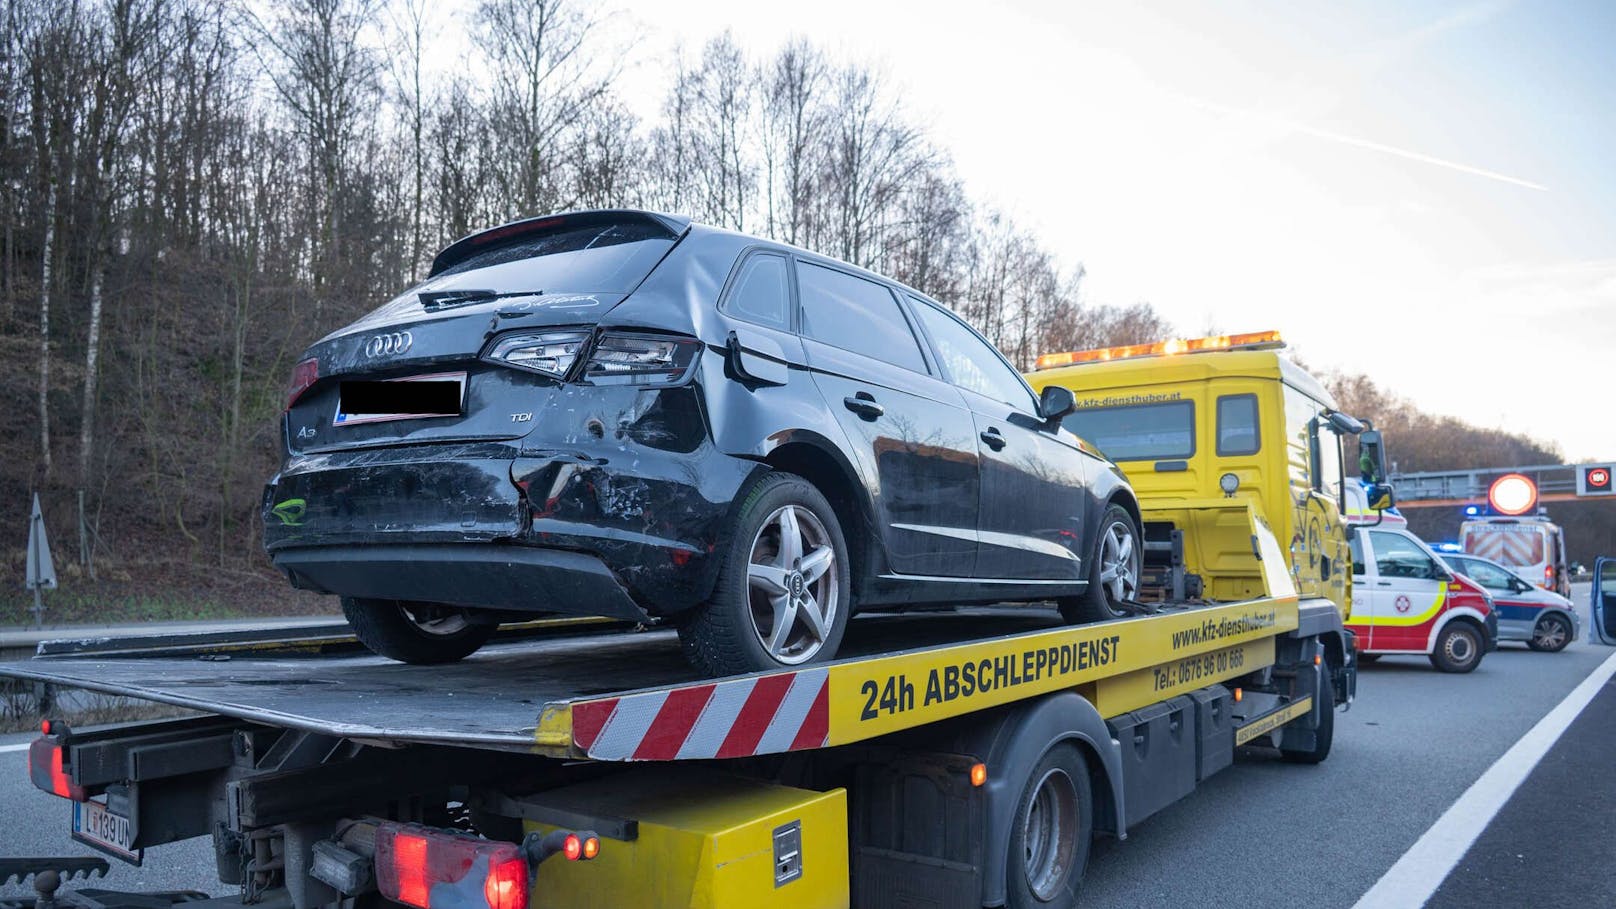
<point x="1237" y="425"/>
<point x="856" y="314"/>
<point x="1357" y="554"/>
<point x="1486" y="575"/>
<point x="1396" y="556"/>
<point x="1138" y="432"/>
<point x="761" y="292"/>
<point x="971" y="362"/>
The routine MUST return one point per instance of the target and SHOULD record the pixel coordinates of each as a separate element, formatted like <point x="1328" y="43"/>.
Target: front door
<point x="910" y="430"/>
<point x="1604" y="601"/>
<point x="1406" y="591"/>
<point x="1030" y="522"/>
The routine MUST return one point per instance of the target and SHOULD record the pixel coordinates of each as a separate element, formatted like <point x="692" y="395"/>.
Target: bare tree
<point x="545" y="79"/>
<point x="793" y="120"/>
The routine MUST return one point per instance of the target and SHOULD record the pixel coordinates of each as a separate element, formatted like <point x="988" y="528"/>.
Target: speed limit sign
<point x="1594" y="480"/>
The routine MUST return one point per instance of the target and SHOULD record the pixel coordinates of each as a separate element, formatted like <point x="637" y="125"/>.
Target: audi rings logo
<point x="388" y="345"/>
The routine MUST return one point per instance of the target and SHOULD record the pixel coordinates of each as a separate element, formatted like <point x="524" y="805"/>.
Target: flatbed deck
<point x="629" y="695"/>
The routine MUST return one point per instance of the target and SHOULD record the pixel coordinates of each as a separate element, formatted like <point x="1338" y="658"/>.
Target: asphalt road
<point x="1262" y="833"/>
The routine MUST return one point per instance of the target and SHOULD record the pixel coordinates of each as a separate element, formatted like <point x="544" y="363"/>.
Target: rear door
<point x="1032" y="502"/>
<point x="909" y="429"/>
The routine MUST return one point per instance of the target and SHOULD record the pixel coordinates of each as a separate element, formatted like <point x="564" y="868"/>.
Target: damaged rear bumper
<point x="608" y="529"/>
<point x="481" y="575"/>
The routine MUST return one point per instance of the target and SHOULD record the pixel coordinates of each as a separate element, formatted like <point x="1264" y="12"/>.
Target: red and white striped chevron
<point x="759" y="715"/>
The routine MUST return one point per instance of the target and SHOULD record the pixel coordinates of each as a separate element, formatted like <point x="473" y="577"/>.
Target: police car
<point x="1545" y="620"/>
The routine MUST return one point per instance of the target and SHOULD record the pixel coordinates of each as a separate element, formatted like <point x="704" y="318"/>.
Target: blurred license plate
<point x="95" y="824"/>
<point x="410" y="398"/>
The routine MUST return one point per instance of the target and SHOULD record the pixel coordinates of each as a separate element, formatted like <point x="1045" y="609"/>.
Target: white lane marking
<point x="1427" y="863"/>
<point x="7" y="749"/>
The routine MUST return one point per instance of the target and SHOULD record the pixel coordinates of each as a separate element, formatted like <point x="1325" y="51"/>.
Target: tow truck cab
<point x="1226" y="419"/>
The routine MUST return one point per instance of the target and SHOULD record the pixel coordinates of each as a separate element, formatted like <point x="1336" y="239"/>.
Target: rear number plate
<point x="411" y="398"/>
<point x="112" y="833"/>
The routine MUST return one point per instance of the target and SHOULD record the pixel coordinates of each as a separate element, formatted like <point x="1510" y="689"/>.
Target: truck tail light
<point x="304" y="375"/>
<point x="47" y="768"/>
<point x="427" y="868"/>
<point x="1548" y="577"/>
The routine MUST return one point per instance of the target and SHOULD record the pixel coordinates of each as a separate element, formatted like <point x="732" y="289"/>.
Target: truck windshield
<point x="1138" y="432"/>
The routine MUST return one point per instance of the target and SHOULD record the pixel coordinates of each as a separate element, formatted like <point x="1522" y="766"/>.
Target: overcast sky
<point x="1424" y="192"/>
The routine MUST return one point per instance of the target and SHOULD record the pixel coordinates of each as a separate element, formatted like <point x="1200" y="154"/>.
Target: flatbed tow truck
<point x="955" y="758"/>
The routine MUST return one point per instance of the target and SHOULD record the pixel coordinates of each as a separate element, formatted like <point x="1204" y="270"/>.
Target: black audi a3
<point x="624" y="414"/>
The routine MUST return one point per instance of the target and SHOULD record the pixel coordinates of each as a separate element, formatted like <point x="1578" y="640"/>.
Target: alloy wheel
<point x="435" y="620"/>
<point x="1550" y="634"/>
<point x="793" y="583"/>
<point x="1119" y="562"/>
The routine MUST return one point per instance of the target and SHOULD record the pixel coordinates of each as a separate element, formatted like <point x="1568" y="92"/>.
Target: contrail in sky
<point x="1416" y="156"/>
<point x="1371" y="146"/>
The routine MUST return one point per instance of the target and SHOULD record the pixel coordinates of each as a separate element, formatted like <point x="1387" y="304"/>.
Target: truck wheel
<point x="1114" y="569"/>
<point x="1551" y="634"/>
<point x="1458" y="648"/>
<point x="1325" y="734"/>
<point x="785" y="589"/>
<point x="415" y="632"/>
<point x="1051" y="833"/>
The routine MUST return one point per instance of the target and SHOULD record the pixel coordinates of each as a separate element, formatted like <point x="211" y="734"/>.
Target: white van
<point x="1533" y="547"/>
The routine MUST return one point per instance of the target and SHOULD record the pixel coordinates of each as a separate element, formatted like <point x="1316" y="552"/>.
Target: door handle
<point x="864" y="405"/>
<point x="1383" y="583"/>
<point x="993" y="439"/>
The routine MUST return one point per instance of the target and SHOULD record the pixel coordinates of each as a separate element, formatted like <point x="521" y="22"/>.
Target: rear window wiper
<point x="435" y="300"/>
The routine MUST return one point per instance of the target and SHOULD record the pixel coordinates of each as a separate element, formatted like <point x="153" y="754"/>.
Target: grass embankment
<point x="134" y="592"/>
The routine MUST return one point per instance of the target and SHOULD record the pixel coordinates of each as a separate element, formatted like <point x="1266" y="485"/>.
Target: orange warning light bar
<point x="1251" y="340"/>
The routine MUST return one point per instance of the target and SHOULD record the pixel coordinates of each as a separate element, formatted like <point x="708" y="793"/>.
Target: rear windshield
<point x="1139" y="432"/>
<point x="611" y="258"/>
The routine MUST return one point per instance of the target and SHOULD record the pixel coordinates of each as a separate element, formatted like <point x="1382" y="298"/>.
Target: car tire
<point x="1115" y="563"/>
<point x="422" y="633"/>
<point x="762" y="583"/>
<point x="1051" y="833"/>
<point x="1324" y="736"/>
<point x="1551" y="634"/>
<point x="1458" y="648"/>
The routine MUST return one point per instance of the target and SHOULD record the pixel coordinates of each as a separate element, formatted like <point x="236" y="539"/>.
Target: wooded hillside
<point x="194" y="190"/>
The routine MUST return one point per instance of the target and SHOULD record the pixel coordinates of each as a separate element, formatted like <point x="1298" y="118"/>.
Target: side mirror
<point x="1371" y="458"/>
<point x="1381" y="497"/>
<point x="1516" y="585"/>
<point x="1056" y="401"/>
<point x="1344" y="424"/>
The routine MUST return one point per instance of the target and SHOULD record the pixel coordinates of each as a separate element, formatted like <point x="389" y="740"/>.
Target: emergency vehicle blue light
<point x="1472" y="510"/>
<point x="1449" y="547"/>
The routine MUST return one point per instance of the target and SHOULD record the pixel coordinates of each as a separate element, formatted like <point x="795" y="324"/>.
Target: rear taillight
<point x="1548" y="577"/>
<point x="47" y="768"/>
<point x="628" y="359"/>
<point x="304" y="375"/>
<point x="549" y="352"/>
<point x="422" y="867"/>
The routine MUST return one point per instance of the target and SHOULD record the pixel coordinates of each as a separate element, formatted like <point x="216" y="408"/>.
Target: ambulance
<point x="1406" y="600"/>
<point x="1532" y="545"/>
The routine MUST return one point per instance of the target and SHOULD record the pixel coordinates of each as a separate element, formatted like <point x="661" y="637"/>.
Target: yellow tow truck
<point x="954" y="758"/>
<point x="1205" y="426"/>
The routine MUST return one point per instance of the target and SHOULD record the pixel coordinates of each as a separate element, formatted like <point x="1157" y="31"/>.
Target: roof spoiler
<point x="466" y="246"/>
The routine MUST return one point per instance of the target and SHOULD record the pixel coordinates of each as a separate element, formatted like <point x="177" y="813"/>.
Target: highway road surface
<point x="1268" y="833"/>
